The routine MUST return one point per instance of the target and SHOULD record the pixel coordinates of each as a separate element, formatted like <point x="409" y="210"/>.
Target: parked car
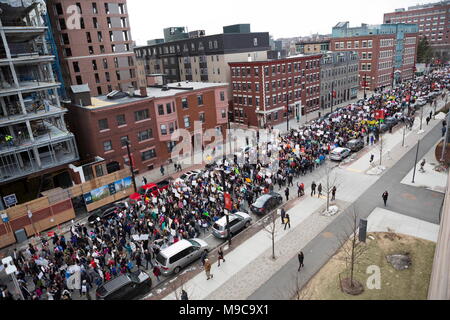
<point x="355" y="145"/>
<point x="339" y="154"/>
<point x="125" y="287"/>
<point x="266" y="203"/>
<point x="149" y="189"/>
<point x="188" y="176"/>
<point x="238" y="221"/>
<point x="180" y="254"/>
<point x="106" y="212"/>
<point x="384" y="128"/>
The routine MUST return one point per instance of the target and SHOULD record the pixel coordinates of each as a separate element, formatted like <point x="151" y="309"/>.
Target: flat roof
<point x="177" y="88"/>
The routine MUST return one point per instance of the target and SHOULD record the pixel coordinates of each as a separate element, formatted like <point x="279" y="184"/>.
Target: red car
<point x="149" y="190"/>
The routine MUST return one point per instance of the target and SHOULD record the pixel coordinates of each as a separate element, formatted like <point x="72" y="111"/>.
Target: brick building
<point x="433" y="20"/>
<point x="99" y="50"/>
<point x="387" y="52"/>
<point x="261" y="90"/>
<point x="147" y="119"/>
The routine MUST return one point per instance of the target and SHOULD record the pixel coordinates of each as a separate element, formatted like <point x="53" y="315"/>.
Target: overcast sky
<point x="281" y="18"/>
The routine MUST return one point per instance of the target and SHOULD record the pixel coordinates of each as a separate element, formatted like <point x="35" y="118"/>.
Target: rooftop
<point x="153" y="92"/>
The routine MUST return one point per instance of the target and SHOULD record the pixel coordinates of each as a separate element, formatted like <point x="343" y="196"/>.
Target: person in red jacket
<point x="157" y="272"/>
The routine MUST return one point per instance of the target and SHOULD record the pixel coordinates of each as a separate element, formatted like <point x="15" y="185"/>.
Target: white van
<point x="175" y="257"/>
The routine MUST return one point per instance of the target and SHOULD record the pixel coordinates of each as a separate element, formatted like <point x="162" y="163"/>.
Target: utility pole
<point x="227" y="213"/>
<point x="421" y="117"/>
<point x="415" y="163"/>
<point x="287" y="111"/>
<point x="404" y="133"/>
<point x="381" y="143"/>
<point x="131" y="165"/>
<point x="444" y="147"/>
<point x="332" y="95"/>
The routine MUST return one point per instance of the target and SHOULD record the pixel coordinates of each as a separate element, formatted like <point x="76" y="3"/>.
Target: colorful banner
<point x="107" y="190"/>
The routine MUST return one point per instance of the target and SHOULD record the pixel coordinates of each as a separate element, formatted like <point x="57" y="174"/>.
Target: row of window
<point x="339" y="83"/>
<point x="58" y="9"/>
<point x="67" y="52"/>
<point x="193" y="47"/>
<point x="339" y="71"/>
<point x="120" y="119"/>
<point x="386" y="43"/>
<point x="356" y="43"/>
<point x="386" y="54"/>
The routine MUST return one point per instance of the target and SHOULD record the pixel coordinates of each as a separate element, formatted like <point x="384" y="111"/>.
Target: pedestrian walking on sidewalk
<point x="208" y="269"/>
<point x="333" y="194"/>
<point x="301" y="257"/>
<point x="204" y="255"/>
<point x="184" y="295"/>
<point x="286" y="193"/>
<point x="319" y="189"/>
<point x="148" y="258"/>
<point x="220" y="255"/>
<point x="162" y="170"/>
<point x="144" y="181"/>
<point x="282" y="214"/>
<point x="287" y="221"/>
<point x="444" y="130"/>
<point x="385" y="197"/>
<point x="372" y="157"/>
<point x="428" y="120"/>
<point x="313" y="188"/>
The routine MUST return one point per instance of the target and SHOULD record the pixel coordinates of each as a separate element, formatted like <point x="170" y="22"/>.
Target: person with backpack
<point x="220" y="256"/>
<point x="313" y="188"/>
<point x="287" y="221"/>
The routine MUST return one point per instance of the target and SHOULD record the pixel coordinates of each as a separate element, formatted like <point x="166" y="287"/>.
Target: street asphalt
<point x="408" y="200"/>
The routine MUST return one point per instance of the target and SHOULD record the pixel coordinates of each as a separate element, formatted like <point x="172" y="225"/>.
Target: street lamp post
<point x="444" y="147"/>
<point x="415" y="162"/>
<point x="421" y="117"/>
<point x="332" y="95"/>
<point x="404" y="133"/>
<point x="365" y="85"/>
<point x="131" y="164"/>
<point x="227" y="213"/>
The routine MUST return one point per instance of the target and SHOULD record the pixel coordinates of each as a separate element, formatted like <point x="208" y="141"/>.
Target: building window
<point x="147" y="155"/>
<point x="79" y="80"/>
<point x="99" y="91"/>
<point x="187" y="122"/>
<point x="160" y="110"/>
<point x="107" y="145"/>
<point x="224" y="114"/>
<point x="200" y="100"/>
<point x="202" y="117"/>
<point x="123" y="141"/>
<point x="58" y="9"/>
<point x="169" y="108"/>
<point x="121" y="120"/>
<point x="163" y="129"/>
<point x="141" y="115"/>
<point x="171" y="145"/>
<point x="103" y="124"/>
<point x="145" y="135"/>
<point x="222" y="96"/>
<point x="184" y="103"/>
<point x="255" y="42"/>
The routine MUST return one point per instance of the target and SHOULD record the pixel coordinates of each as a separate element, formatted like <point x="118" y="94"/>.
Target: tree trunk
<point x="273" y="246"/>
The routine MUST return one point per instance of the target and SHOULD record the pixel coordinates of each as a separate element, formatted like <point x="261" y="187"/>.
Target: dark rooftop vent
<point x="116" y="95"/>
<point x="165" y="88"/>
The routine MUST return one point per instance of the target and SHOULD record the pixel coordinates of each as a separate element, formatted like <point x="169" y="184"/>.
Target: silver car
<point x="238" y="221"/>
<point x="175" y="257"/>
<point x="339" y="154"/>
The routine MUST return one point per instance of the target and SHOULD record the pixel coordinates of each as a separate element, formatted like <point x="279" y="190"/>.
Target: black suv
<point x="106" y="211"/>
<point x="266" y="203"/>
<point x="125" y="287"/>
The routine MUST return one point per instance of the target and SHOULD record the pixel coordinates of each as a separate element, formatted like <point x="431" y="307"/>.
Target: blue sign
<point x="10" y="200"/>
<point x="87" y="198"/>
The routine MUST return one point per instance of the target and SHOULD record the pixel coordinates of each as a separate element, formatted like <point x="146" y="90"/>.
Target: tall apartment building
<point x="94" y="43"/>
<point x="204" y="58"/>
<point x="339" y="78"/>
<point x="262" y="89"/>
<point x="387" y="52"/>
<point x="147" y="120"/>
<point x="433" y="20"/>
<point x="33" y="136"/>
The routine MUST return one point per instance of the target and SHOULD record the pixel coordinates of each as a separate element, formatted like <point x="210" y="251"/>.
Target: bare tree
<point x="271" y="229"/>
<point x="353" y="251"/>
<point x="331" y="181"/>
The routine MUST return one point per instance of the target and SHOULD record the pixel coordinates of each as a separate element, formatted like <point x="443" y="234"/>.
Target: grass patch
<point x="410" y="284"/>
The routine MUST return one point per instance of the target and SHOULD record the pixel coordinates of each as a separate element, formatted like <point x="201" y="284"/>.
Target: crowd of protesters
<point x="188" y="209"/>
